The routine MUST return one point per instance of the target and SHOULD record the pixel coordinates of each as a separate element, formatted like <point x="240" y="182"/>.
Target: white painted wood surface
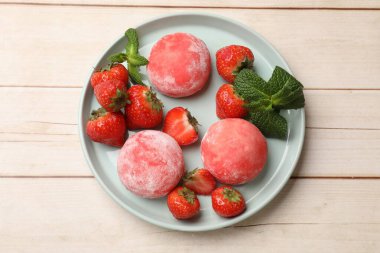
<point x="298" y="4"/>
<point x="49" y="201"/>
<point x="75" y="215"/>
<point x="326" y="49"/>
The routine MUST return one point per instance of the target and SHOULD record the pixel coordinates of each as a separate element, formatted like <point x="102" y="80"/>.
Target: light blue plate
<point x="216" y="32"/>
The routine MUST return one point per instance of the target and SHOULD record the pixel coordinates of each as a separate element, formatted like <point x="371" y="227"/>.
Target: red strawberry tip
<point x="100" y="112"/>
<point x="188" y="194"/>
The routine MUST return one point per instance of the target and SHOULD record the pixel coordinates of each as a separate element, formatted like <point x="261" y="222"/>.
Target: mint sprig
<point x="264" y="100"/>
<point x="270" y="123"/>
<point x="289" y="91"/>
<point x="131" y="56"/>
<point x="135" y="74"/>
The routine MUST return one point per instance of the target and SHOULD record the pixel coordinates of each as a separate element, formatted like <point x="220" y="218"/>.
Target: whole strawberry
<point x="111" y="94"/>
<point x="144" y="109"/>
<point x="200" y="181"/>
<point x="229" y="104"/>
<point x="227" y="202"/>
<point x="183" y="203"/>
<point x="181" y="125"/>
<point x="107" y="127"/>
<point x="118" y="72"/>
<point x="230" y="60"/>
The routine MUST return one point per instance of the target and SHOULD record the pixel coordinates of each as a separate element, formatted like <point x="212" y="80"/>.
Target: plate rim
<point x="180" y="226"/>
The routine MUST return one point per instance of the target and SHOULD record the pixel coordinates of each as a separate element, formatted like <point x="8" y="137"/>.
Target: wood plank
<point x="214" y="3"/>
<point x="43" y="158"/>
<point x="326" y="153"/>
<point x="340" y="153"/>
<point x="76" y="214"/>
<point x="323" y="48"/>
<point x="43" y="110"/>
<point x="343" y="109"/>
<point x="42" y="128"/>
<point x="51" y="110"/>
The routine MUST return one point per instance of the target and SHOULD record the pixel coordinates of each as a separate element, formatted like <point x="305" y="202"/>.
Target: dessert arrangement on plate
<point x="233" y="150"/>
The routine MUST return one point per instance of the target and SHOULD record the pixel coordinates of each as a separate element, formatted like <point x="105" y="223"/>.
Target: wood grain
<point x="326" y="153"/>
<point x="42" y="128"/>
<point x="340" y="153"/>
<point x="76" y="214"/>
<point x="340" y="4"/>
<point x="51" y="110"/>
<point x="49" y="201"/>
<point x="343" y="109"/>
<point x="325" y="49"/>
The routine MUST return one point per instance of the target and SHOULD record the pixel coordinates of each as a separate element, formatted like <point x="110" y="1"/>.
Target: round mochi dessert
<point x="179" y="65"/>
<point x="150" y="164"/>
<point x="234" y="151"/>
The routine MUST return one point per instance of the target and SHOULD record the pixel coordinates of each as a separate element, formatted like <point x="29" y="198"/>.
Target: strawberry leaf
<point x="119" y="101"/>
<point x="246" y="64"/>
<point x="100" y="112"/>
<point x="153" y="100"/>
<point x="231" y="195"/>
<point x="106" y="68"/>
<point x="188" y="194"/>
<point x="192" y="120"/>
<point x="189" y="175"/>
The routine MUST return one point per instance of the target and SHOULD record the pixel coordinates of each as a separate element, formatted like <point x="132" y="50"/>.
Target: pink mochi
<point x="234" y="151"/>
<point x="150" y="164"/>
<point x="179" y="65"/>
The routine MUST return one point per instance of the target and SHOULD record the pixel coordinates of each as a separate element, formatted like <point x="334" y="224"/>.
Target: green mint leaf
<point x="264" y="100"/>
<point x="132" y="46"/>
<point x="290" y="95"/>
<point x="134" y="59"/>
<point x="270" y="123"/>
<point x="117" y="58"/>
<point x="277" y="80"/>
<point x="137" y="60"/>
<point x="259" y="105"/>
<point x="135" y="74"/>
<point x="250" y="86"/>
<point x="295" y="104"/>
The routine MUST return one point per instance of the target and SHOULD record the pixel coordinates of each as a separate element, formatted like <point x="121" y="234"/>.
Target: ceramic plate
<point x="283" y="155"/>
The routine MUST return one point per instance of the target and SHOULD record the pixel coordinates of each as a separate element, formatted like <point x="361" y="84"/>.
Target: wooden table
<point x="49" y="200"/>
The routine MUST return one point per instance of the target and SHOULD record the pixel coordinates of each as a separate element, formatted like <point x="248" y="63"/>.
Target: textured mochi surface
<point x="150" y="164"/>
<point x="179" y="65"/>
<point x="234" y="151"/>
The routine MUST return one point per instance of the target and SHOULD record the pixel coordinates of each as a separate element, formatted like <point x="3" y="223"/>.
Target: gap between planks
<point x="81" y="86"/>
<point x="291" y="178"/>
<point x="289" y="224"/>
<point x="325" y="56"/>
<point x="195" y="7"/>
<point x="64" y="134"/>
